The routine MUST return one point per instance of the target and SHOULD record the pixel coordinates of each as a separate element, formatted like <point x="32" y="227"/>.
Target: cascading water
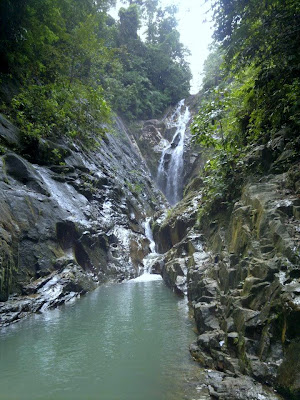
<point x="149" y="235"/>
<point x="150" y="259"/>
<point x="170" y="169"/>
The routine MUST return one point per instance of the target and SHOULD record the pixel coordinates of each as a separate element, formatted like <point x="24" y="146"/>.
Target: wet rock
<point x="149" y="137"/>
<point x="22" y="171"/>
<point x="289" y="372"/>
<point x="49" y="292"/>
<point x="223" y="387"/>
<point x="243" y="281"/>
<point x="90" y="212"/>
<point x="9" y="134"/>
<point x="169" y="230"/>
<point x="174" y="274"/>
<point x="139" y="248"/>
<point x="206" y="316"/>
<point x="169" y="133"/>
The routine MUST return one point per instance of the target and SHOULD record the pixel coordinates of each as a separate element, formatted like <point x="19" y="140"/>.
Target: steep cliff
<point x="71" y="221"/>
<point x="239" y="266"/>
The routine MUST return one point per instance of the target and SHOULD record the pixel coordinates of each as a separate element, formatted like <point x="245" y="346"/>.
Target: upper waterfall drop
<point x="170" y="169"/>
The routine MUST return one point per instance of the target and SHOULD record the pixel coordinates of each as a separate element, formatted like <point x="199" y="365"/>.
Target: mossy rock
<point x="7" y="270"/>
<point x="289" y="372"/>
<point x="293" y="178"/>
<point x="9" y="134"/>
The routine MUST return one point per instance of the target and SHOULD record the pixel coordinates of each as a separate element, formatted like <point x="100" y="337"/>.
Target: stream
<point x="121" y="342"/>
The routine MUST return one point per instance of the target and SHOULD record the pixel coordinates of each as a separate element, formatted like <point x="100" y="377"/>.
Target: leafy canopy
<point x="75" y="62"/>
<point x="252" y="83"/>
<point x="251" y="87"/>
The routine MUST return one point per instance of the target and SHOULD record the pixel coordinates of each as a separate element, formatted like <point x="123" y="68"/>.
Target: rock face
<point x="68" y="226"/>
<point x="241" y="274"/>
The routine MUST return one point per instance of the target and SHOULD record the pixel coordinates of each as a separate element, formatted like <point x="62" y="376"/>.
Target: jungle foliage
<point x="251" y="86"/>
<point x="74" y="63"/>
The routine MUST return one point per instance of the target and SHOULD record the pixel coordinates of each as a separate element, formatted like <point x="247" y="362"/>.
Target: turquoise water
<point x="122" y="342"/>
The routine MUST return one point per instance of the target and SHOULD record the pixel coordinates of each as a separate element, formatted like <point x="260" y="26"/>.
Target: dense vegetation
<point x="251" y="88"/>
<point x="71" y="63"/>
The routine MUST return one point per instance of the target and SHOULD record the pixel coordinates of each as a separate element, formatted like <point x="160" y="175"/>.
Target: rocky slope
<point x="67" y="226"/>
<point x="240" y="269"/>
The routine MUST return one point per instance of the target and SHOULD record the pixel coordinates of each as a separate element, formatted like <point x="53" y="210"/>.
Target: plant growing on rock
<point x="250" y="90"/>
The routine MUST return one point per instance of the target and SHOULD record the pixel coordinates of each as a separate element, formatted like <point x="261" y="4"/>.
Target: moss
<point x="3" y="150"/>
<point x="293" y="178"/>
<point x="239" y="237"/>
<point x="136" y="188"/>
<point x="242" y="356"/>
<point x="7" y="270"/>
<point x="194" y="185"/>
<point x="30" y="207"/>
<point x="284" y="328"/>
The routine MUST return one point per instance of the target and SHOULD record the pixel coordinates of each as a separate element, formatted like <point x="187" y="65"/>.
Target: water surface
<point x="121" y="342"/>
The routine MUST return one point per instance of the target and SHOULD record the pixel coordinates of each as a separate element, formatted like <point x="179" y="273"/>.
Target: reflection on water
<point x="121" y="342"/>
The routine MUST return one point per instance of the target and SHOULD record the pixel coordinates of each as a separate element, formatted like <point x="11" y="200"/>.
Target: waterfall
<point x="170" y="169"/>
<point x="149" y="236"/>
<point x="150" y="259"/>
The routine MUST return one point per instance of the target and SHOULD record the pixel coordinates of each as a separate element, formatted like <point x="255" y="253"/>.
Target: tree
<point x="265" y="35"/>
<point x="129" y="23"/>
<point x="75" y="47"/>
<point x="251" y="88"/>
<point x="154" y="72"/>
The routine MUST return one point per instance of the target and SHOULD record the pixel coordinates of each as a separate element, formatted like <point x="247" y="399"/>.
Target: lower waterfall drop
<point x="150" y="258"/>
<point x="170" y="169"/>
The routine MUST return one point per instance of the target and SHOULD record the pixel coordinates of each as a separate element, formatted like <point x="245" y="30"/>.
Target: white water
<point x="146" y="277"/>
<point x="66" y="197"/>
<point x="149" y="236"/>
<point x="150" y="259"/>
<point x="170" y="169"/>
